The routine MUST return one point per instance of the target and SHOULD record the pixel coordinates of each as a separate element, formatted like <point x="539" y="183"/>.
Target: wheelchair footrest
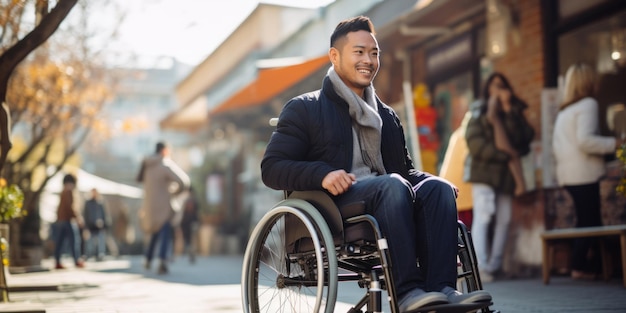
<point x="452" y="308"/>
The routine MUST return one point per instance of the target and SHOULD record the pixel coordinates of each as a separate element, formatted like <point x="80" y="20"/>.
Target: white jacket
<point x="577" y="146"/>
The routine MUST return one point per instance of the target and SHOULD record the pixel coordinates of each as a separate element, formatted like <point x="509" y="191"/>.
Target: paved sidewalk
<point x="212" y="285"/>
<point x="562" y="295"/>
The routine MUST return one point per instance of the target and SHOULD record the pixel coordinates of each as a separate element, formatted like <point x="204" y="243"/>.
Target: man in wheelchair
<point x="343" y="140"/>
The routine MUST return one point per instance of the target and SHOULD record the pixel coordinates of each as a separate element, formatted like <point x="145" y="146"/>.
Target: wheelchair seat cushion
<point x="352" y="209"/>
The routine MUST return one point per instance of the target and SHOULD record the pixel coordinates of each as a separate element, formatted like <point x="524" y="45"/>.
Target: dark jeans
<point x="587" y="207"/>
<point x="165" y="236"/>
<point x="65" y="232"/>
<point x="97" y="243"/>
<point x="187" y="230"/>
<point x="418" y="223"/>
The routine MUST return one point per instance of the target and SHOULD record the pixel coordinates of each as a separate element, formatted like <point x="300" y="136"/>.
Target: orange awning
<point x="269" y="84"/>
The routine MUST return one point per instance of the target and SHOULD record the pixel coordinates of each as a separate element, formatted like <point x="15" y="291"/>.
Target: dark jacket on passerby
<point x="95" y="215"/>
<point x="316" y="128"/>
<point x="191" y="210"/>
<point x="488" y="164"/>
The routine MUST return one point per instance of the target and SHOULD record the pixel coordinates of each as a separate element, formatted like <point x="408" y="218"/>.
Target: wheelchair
<point x="305" y="245"/>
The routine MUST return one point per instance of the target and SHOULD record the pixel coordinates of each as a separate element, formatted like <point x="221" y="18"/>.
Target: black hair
<point x="506" y="84"/>
<point x="351" y="25"/>
<point x="69" y="178"/>
<point x="160" y="146"/>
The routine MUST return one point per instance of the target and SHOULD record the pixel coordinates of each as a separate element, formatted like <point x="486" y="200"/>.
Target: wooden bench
<point x="550" y="237"/>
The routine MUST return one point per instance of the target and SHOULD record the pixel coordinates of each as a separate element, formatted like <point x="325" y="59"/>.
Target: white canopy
<point x="87" y="181"/>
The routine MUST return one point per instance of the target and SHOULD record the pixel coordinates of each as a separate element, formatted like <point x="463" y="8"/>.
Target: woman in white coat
<point x="579" y="153"/>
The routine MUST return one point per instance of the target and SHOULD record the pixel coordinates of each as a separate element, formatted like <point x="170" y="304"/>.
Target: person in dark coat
<point x="96" y="221"/>
<point x="343" y="140"/>
<point x="189" y="224"/>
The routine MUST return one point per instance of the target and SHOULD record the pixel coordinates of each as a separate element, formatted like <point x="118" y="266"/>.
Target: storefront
<point x="452" y="49"/>
<point x="454" y="78"/>
<point x="593" y="32"/>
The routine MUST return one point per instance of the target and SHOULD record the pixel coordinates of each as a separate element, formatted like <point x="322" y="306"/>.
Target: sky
<point x="188" y="30"/>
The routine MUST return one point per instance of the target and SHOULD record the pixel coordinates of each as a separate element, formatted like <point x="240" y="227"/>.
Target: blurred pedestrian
<point x="190" y="223"/>
<point x="495" y="118"/>
<point x="122" y="233"/>
<point x="454" y="167"/>
<point x="66" y="216"/>
<point x="578" y="150"/>
<point x="495" y="106"/>
<point x="158" y="173"/>
<point x="97" y="222"/>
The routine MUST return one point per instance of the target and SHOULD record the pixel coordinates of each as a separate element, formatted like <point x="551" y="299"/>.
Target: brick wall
<point x="523" y="65"/>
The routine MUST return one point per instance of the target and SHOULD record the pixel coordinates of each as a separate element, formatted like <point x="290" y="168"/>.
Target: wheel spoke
<point x="284" y="280"/>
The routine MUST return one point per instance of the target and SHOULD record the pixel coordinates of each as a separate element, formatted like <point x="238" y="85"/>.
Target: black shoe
<point x="456" y="297"/>
<point x="418" y="298"/>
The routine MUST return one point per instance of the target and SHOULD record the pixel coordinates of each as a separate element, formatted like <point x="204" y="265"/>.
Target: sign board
<point x="450" y="54"/>
<point x="550" y="100"/>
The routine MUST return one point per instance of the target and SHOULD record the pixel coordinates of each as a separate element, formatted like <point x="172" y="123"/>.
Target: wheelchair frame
<point x="307" y="262"/>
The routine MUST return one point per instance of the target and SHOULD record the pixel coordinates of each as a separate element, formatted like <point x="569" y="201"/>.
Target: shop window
<point x="451" y="99"/>
<point x="569" y="8"/>
<point x="603" y="45"/>
<point x="603" y="42"/>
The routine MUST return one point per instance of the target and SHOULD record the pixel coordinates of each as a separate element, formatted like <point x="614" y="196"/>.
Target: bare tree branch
<point x="15" y="54"/>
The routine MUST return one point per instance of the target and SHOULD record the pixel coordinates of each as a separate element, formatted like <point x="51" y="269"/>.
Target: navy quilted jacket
<point x="314" y="137"/>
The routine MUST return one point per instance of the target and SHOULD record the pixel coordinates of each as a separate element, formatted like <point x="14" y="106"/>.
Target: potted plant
<point x="11" y="202"/>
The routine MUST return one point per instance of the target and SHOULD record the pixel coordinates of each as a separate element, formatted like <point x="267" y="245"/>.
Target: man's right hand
<point x="338" y="182"/>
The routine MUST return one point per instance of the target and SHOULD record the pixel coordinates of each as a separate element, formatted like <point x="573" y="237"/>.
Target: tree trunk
<point x="26" y="247"/>
<point x="18" y="52"/>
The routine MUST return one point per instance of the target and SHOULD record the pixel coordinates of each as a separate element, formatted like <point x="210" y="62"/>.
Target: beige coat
<point x="162" y="179"/>
<point x="453" y="168"/>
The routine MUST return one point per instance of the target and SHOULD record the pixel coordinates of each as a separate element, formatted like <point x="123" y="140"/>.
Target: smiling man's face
<point x="356" y="60"/>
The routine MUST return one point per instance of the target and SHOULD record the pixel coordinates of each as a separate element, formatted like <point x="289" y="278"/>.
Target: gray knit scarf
<point x="365" y="120"/>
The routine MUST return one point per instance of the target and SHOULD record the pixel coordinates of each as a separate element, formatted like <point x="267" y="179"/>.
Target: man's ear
<point x="333" y="55"/>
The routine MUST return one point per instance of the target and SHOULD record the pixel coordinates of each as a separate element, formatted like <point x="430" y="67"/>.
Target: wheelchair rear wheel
<point x="290" y="264"/>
